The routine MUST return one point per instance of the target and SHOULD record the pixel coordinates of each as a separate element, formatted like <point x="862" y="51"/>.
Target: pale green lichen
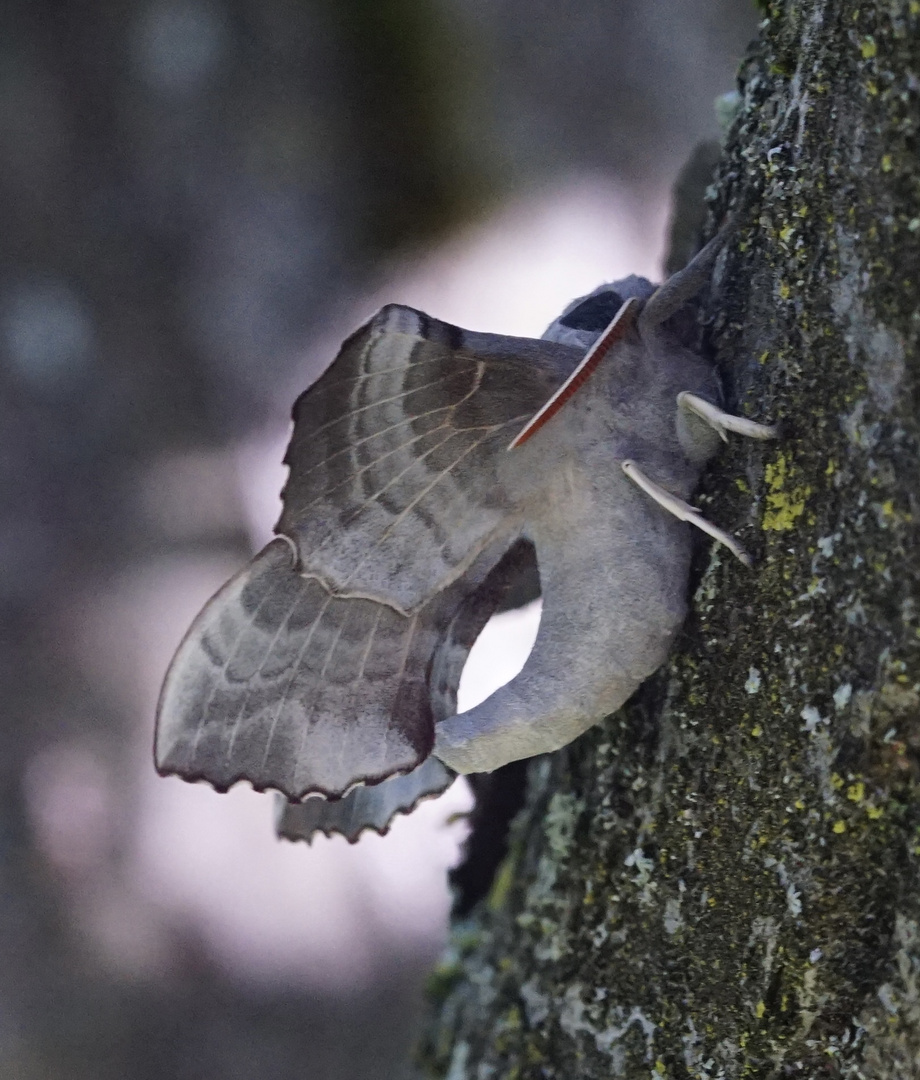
<point x="752" y="683"/>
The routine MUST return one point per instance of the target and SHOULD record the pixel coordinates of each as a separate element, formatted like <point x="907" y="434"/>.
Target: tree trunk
<point x="721" y="880"/>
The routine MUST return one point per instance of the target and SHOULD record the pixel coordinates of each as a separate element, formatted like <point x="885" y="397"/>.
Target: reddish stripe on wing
<point x="616" y="330"/>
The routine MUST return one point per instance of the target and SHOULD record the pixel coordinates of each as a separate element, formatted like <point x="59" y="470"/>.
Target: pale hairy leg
<point x="683" y="511"/>
<point x="723" y="422"/>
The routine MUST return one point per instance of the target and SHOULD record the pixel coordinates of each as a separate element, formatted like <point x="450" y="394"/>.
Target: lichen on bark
<point x="722" y="879"/>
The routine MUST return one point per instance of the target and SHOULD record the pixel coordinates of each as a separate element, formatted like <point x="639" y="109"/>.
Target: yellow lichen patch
<point x="785" y="500"/>
<point x="760" y="1010"/>
<point x="856" y="792"/>
<point x="502" y="884"/>
<point x="533" y="1055"/>
<point x="840" y="826"/>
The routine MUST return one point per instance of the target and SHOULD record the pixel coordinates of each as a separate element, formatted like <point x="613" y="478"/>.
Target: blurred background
<point x="200" y="199"/>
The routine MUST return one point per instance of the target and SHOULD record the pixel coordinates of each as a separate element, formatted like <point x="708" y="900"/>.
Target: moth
<point x="429" y="466"/>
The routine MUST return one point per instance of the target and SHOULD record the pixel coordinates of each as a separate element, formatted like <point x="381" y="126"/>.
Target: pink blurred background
<point x="202" y="199"/>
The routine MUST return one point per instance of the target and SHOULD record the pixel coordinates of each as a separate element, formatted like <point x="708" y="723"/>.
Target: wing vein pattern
<point x="379" y="502"/>
<point x="315" y="670"/>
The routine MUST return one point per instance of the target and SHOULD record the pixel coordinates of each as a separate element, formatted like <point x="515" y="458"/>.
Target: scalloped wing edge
<point x="365" y="808"/>
<point x="181" y="718"/>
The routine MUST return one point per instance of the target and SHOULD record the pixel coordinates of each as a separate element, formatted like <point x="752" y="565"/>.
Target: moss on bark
<point x="722" y="879"/>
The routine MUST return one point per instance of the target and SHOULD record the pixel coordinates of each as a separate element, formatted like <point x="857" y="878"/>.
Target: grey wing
<point x="280" y="683"/>
<point x="311" y="676"/>
<point x="393" y="489"/>
<point x="365" y="807"/>
<point x="374" y="807"/>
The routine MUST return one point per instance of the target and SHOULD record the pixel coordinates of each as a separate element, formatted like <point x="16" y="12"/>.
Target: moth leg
<point x="672" y="294"/>
<point x="723" y="422"/>
<point x="683" y="511"/>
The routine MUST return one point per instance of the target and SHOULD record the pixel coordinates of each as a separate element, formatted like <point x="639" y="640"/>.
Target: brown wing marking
<point x="373" y="808"/>
<point x="394" y="489"/>
<point x="281" y="684"/>
<point x="404" y="514"/>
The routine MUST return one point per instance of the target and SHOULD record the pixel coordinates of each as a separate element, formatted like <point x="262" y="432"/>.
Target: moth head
<point x="581" y="323"/>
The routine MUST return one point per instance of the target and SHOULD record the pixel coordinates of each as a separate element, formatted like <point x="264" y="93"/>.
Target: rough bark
<point x="722" y="879"/>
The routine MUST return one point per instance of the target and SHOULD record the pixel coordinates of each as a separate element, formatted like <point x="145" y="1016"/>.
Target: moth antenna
<point x="683" y="511"/>
<point x="616" y="330"/>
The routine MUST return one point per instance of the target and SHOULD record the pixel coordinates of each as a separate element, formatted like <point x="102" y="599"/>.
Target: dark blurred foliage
<point x="499" y="797"/>
<point x="188" y="187"/>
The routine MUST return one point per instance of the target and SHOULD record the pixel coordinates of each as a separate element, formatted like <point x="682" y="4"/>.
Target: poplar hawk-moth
<point x="428" y="466"/>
